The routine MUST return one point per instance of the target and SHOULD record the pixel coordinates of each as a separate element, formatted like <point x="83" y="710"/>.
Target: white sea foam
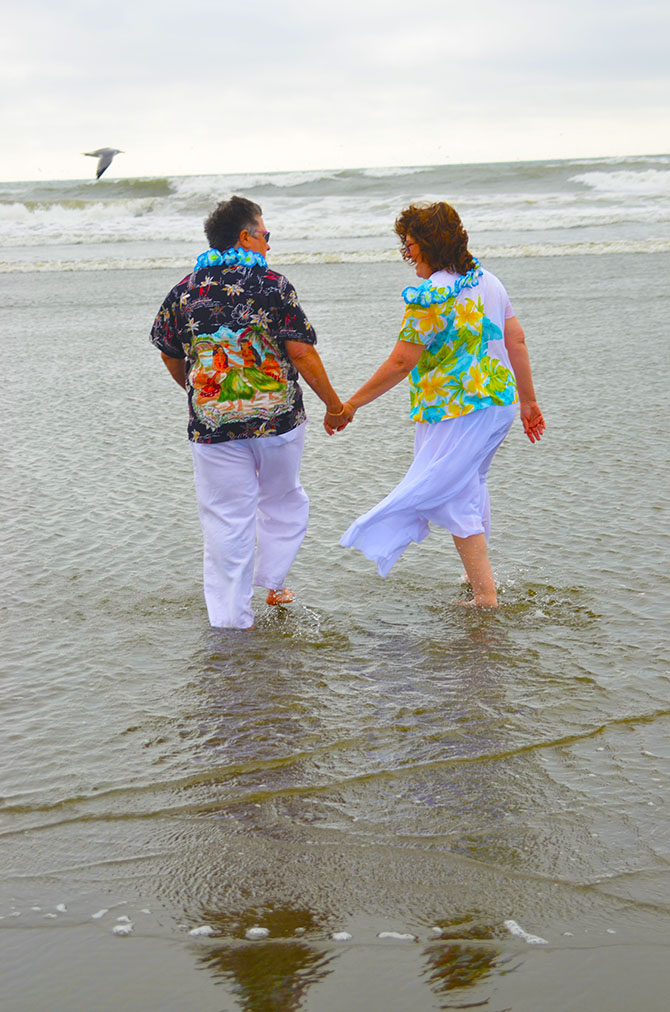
<point x="204" y="931"/>
<point x="123" y="929"/>
<point x="341" y="936"/>
<point x="123" y="221"/>
<point x="331" y="220"/>
<point x="397" y="936"/>
<point x="182" y="265"/>
<point x="518" y="931"/>
<point x="289" y="180"/>
<point x="386" y="173"/>
<point x="215" y="188"/>
<point x="642" y="182"/>
<point x="256" y="933"/>
<point x="341" y="216"/>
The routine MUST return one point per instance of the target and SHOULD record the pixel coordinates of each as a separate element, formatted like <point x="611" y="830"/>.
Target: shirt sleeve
<point x="421" y="324"/>
<point x="508" y="309"/>
<point x="293" y="324"/>
<point x="165" y="331"/>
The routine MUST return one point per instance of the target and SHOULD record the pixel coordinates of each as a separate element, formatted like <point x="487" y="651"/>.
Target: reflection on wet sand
<point x="465" y="956"/>
<point x="268" y="976"/>
<point x="271" y="974"/>
<point x="457" y="967"/>
<point x="277" y="972"/>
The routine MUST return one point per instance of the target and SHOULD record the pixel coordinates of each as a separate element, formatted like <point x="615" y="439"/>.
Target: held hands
<point x="338" y="420"/>
<point x="532" y="421"/>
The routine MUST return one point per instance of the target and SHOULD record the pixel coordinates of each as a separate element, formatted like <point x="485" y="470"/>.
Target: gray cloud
<point x="191" y="87"/>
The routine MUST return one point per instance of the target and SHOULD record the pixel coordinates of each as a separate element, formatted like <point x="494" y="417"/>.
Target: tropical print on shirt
<point x="229" y="323"/>
<point x="235" y="375"/>
<point x="464" y="366"/>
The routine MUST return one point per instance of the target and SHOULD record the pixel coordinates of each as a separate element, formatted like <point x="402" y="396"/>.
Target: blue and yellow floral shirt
<point x="465" y="366"/>
<point x="230" y="322"/>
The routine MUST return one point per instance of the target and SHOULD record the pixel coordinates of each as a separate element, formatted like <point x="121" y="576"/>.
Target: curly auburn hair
<point x="438" y="231"/>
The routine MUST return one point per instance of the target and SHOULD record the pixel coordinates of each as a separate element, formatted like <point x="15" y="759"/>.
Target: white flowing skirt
<point x="445" y="485"/>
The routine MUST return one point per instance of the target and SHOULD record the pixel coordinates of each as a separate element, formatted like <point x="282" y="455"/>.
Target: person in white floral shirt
<point x="465" y="354"/>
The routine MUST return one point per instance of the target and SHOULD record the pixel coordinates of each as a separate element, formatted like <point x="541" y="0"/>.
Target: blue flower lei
<point x="233" y="257"/>
<point x="426" y="295"/>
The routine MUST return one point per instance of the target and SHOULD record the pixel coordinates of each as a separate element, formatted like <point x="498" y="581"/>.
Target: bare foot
<point x="280" y="596"/>
<point x="474" y="603"/>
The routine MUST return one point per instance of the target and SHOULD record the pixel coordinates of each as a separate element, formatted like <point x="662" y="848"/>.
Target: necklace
<point x="426" y="295"/>
<point x="233" y="257"/>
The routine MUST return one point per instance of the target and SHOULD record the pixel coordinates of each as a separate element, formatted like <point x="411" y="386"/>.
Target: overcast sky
<point x="205" y="86"/>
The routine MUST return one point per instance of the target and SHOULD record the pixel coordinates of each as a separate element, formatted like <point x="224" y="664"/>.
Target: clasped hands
<point x="336" y="421"/>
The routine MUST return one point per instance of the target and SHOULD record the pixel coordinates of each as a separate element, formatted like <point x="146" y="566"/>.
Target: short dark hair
<point x="228" y="219"/>
<point x="439" y="233"/>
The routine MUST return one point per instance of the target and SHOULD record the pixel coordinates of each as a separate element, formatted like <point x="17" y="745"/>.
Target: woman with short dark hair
<point x="465" y="353"/>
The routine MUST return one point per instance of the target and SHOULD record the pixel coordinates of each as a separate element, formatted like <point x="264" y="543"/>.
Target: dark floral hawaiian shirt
<point x="230" y="324"/>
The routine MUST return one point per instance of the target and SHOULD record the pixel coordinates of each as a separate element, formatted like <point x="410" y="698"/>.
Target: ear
<point x="244" y="238"/>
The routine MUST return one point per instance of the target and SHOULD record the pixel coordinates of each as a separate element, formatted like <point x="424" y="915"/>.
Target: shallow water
<point x="374" y="758"/>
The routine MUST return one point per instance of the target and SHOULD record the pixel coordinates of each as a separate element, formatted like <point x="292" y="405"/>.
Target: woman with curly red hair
<point x="465" y="354"/>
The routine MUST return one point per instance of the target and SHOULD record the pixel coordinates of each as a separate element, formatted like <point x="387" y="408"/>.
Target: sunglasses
<point x="257" y="231"/>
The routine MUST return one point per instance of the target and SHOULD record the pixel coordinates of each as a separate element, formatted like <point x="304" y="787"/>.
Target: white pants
<point x="253" y="513"/>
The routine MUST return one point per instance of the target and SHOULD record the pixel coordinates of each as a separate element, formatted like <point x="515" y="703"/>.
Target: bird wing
<point x="104" y="163"/>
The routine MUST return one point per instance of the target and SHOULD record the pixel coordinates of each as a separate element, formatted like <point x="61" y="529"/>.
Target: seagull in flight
<point x="104" y="156"/>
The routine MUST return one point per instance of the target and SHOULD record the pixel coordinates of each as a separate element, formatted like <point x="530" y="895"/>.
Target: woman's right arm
<point x="531" y="416"/>
<point x="399" y="364"/>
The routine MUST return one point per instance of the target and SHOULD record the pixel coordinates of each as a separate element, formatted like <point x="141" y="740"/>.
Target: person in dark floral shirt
<point x="235" y="337"/>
